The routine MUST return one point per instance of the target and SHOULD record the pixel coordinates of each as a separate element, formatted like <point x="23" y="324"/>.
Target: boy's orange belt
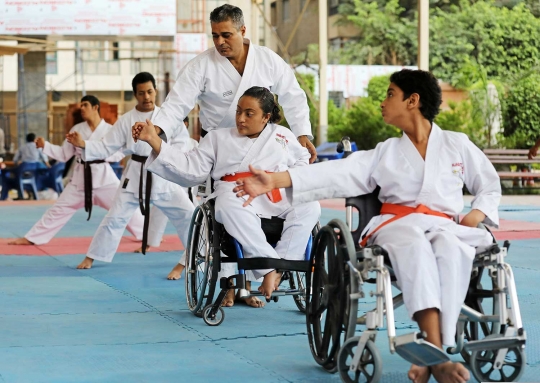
<point x="401" y="211"/>
<point x="274" y="195"/>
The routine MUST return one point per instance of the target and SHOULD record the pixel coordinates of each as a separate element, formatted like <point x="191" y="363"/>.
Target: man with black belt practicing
<point x="138" y="187"/>
<point x="92" y="181"/>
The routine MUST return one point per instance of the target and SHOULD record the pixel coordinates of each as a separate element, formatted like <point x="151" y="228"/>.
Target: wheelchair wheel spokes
<point x="297" y="281"/>
<point x="369" y="367"/>
<point x="483" y="365"/>
<point x="199" y="261"/>
<point x="325" y="305"/>
<point x="477" y="299"/>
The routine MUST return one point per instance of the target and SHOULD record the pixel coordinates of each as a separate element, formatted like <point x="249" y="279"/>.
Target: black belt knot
<point x="88" y="184"/>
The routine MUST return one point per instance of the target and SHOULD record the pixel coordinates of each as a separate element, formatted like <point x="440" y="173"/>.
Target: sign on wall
<point x="88" y="17"/>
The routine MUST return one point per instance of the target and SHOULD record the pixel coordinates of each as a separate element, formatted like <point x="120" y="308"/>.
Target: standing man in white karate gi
<point x="92" y="181"/>
<point x="421" y="176"/>
<point x="219" y="76"/>
<point x="139" y="187"/>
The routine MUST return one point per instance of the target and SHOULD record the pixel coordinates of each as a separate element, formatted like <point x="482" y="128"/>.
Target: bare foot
<point x="86" y="263"/>
<point x="252" y="301"/>
<point x="139" y="249"/>
<point x="20" y="241"/>
<point x="278" y="279"/>
<point x="269" y="284"/>
<point x="228" y="301"/>
<point x="419" y="374"/>
<point x="176" y="272"/>
<point x="450" y="373"/>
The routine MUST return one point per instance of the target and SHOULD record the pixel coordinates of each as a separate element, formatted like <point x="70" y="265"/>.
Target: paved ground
<point x="124" y="322"/>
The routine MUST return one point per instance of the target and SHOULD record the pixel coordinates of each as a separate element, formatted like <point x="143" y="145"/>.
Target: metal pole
<point x="323" y="61"/>
<point x="423" y="34"/>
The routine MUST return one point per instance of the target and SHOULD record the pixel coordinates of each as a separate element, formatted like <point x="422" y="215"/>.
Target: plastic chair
<point x="51" y="178"/>
<point x="20" y="178"/>
<point x="118" y="169"/>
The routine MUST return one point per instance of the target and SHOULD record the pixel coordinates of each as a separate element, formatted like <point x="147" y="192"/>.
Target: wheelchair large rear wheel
<point x="200" y="275"/>
<point x="327" y="297"/>
<point x="297" y="279"/>
<point x="484" y="301"/>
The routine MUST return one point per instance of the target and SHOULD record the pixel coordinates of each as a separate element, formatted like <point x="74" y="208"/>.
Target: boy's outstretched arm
<point x="261" y="183"/>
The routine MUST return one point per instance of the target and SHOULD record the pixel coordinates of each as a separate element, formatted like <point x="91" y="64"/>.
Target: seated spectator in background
<point x="30" y="153"/>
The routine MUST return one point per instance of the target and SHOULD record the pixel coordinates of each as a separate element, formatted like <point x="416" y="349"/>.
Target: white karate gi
<point x="104" y="185"/>
<point x="212" y="80"/>
<point x="166" y="196"/>
<point x="225" y="151"/>
<point x="158" y="220"/>
<point x="431" y="256"/>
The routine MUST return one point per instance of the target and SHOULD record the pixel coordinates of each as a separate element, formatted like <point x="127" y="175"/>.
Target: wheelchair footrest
<point x="496" y="343"/>
<point x="414" y="349"/>
<point x="277" y="293"/>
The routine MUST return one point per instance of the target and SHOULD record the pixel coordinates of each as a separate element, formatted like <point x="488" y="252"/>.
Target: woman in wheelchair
<point x="421" y="177"/>
<point x="225" y="154"/>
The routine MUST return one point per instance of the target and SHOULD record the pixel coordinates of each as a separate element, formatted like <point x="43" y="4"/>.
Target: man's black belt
<point x="144" y="204"/>
<point x="88" y="188"/>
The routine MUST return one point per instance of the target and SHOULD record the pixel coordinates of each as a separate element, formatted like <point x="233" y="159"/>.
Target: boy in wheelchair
<point x="225" y="154"/>
<point x="421" y="176"/>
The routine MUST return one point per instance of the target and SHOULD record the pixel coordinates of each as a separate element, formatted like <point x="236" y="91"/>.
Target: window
<point x="286" y="10"/>
<point x="145" y="56"/>
<point x="99" y="58"/>
<point x="52" y="62"/>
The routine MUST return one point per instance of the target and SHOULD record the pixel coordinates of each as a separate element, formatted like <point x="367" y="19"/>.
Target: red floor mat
<point x="79" y="245"/>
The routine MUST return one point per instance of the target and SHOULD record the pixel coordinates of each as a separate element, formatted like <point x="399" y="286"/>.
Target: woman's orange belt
<point x="274" y="195"/>
<point x="401" y="211"/>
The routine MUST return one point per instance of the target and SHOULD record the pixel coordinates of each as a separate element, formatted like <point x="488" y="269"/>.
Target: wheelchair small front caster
<point x="215" y="320"/>
<point x="483" y="367"/>
<point x="275" y="299"/>
<point x="369" y="365"/>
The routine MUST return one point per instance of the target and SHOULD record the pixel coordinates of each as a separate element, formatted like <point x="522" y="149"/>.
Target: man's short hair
<point x="228" y="12"/>
<point x="142" y="78"/>
<point x="30" y="137"/>
<point x="93" y="100"/>
<point x="186" y="120"/>
<point x="425" y="85"/>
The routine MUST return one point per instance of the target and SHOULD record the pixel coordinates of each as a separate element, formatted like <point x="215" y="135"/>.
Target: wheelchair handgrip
<point x="344" y="146"/>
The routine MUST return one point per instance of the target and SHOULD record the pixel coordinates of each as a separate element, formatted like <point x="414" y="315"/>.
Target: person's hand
<point x="473" y="218"/>
<point x="306" y="143"/>
<point x="40" y="142"/>
<point x="252" y="187"/>
<point x="144" y="131"/>
<point x="47" y="164"/>
<point x="533" y="152"/>
<point x="75" y="139"/>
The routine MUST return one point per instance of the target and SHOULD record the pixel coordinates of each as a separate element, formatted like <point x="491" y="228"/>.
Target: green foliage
<point x="462" y="118"/>
<point x="363" y="123"/>
<point x="501" y="40"/>
<point x="521" y="111"/>
<point x="385" y="37"/>
<point x="501" y="37"/>
<point x="377" y="87"/>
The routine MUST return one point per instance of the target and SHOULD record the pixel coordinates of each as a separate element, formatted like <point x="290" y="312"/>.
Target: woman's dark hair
<point x="228" y="12"/>
<point x="425" y="85"/>
<point x="93" y="100"/>
<point x="142" y="78"/>
<point x="267" y="102"/>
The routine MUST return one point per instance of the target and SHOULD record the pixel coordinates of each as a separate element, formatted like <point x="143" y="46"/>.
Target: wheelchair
<point x="208" y="240"/>
<point x="490" y="335"/>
